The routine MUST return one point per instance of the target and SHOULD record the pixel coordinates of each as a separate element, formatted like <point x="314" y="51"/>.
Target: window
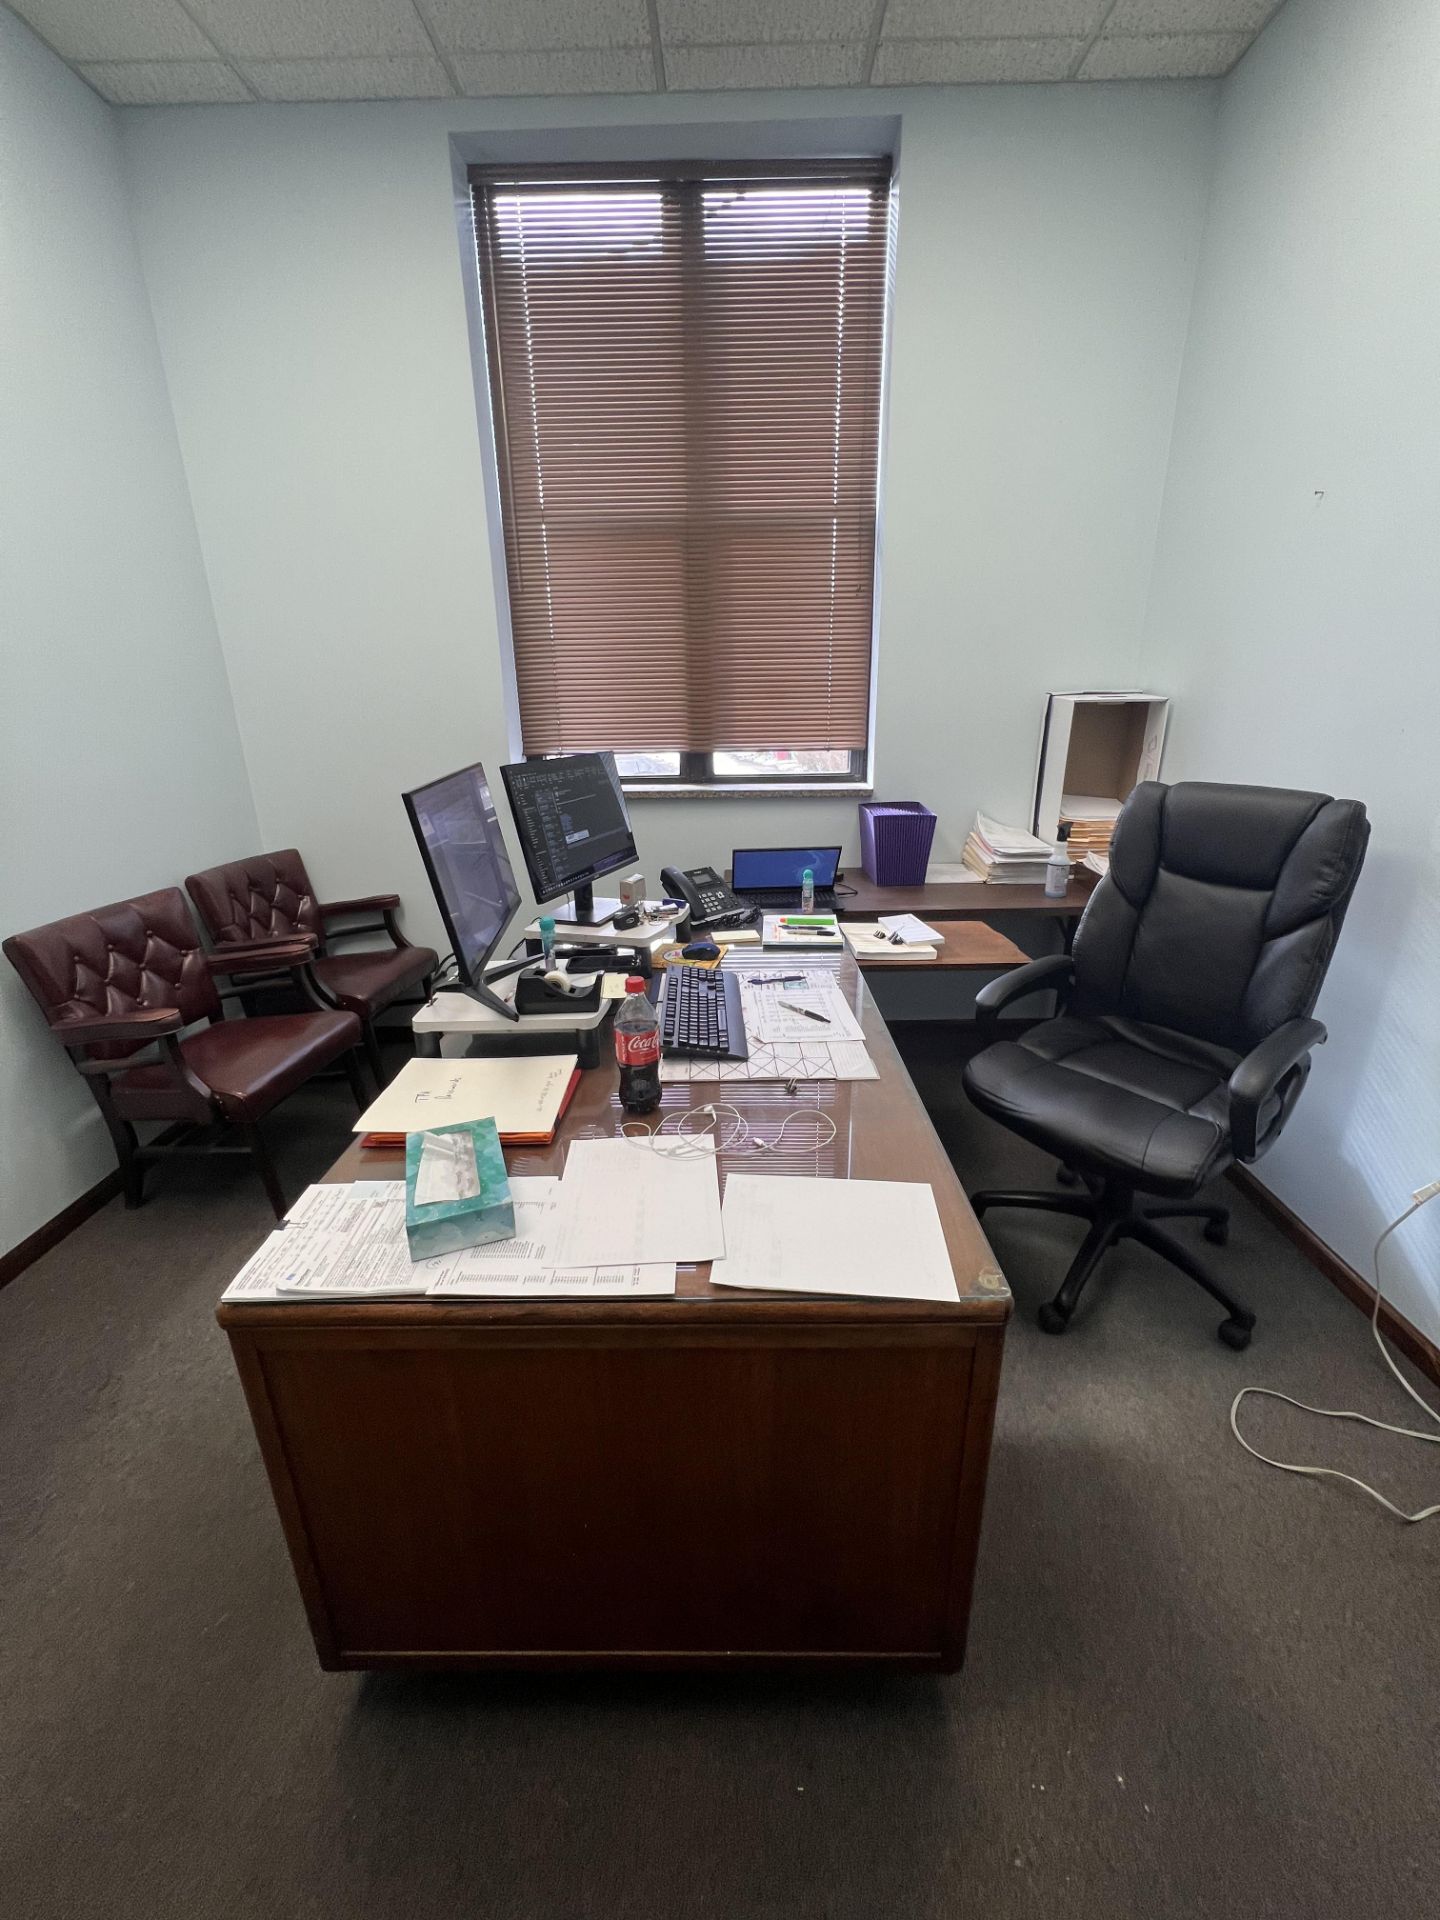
<point x="685" y="375"/>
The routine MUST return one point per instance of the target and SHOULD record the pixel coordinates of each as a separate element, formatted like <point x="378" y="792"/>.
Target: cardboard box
<point x="1101" y="744"/>
<point x="477" y="1218"/>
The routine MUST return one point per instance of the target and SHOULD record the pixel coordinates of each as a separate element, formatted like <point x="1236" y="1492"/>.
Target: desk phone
<point x="710" y="901"/>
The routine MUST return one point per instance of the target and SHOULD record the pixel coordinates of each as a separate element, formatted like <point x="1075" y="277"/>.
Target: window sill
<point x="769" y="789"/>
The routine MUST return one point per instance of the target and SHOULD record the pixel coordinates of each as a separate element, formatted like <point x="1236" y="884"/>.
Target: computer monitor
<point x="571" y="818"/>
<point x="458" y="832"/>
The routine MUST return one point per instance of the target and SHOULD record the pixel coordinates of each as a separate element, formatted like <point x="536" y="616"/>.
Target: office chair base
<point x="1114" y="1214"/>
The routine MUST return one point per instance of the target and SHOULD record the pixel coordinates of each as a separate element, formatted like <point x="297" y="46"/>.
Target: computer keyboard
<point x="700" y="1014"/>
<point x="787" y="899"/>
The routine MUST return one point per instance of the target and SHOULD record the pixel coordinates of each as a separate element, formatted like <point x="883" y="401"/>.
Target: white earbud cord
<point x="687" y="1142"/>
<point x="1425" y="1195"/>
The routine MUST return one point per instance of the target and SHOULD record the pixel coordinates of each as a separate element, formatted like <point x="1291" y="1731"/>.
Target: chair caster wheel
<point x="1067" y="1176"/>
<point x="1235" y="1334"/>
<point x="1217" y="1232"/>
<point x="1051" y="1319"/>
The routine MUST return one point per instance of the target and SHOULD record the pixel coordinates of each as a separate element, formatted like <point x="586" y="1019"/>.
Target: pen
<point x="809" y="1012"/>
<point x="777" y="980"/>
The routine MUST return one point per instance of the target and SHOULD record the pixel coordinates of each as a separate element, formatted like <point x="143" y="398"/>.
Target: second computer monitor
<point x="573" y="827"/>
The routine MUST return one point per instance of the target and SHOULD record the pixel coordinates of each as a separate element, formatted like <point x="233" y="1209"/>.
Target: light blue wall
<point x="305" y="274"/>
<point x="120" y="761"/>
<point x="1295" y="611"/>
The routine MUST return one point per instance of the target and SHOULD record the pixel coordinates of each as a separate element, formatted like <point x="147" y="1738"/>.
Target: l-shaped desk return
<point x="717" y="1478"/>
<point x="943" y="900"/>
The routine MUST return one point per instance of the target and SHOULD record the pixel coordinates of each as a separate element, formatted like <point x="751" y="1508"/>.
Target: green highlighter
<point x="457" y="1191"/>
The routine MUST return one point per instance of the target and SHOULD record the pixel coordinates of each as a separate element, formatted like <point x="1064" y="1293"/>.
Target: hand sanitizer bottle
<point x="1057" y="868"/>
<point x="807" y="890"/>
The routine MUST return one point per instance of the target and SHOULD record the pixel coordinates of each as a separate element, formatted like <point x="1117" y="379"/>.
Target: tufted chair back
<point x="265" y="897"/>
<point x="1221" y="909"/>
<point x="137" y="953"/>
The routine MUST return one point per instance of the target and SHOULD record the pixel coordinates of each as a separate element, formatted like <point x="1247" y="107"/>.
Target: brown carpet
<point x="1194" y="1687"/>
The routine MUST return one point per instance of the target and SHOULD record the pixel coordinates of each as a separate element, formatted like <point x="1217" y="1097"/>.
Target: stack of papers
<point x="524" y="1094"/>
<point x="820" y="932"/>
<point x="1006" y="854"/>
<point x="347" y="1242"/>
<point x="869" y="940"/>
<point x="1091" y="819"/>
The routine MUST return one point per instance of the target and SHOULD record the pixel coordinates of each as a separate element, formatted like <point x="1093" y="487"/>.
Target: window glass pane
<point x="641" y="766"/>
<point x="783" y="764"/>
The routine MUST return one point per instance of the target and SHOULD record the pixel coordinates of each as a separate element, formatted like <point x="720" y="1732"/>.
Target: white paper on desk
<point x="289" y="1258"/>
<point x="771" y="1012"/>
<point x="912" y="931"/>
<point x="554" y="1283"/>
<point x="779" y="1060"/>
<point x="878" y="1238"/>
<point x="623" y="1204"/>
<point x="339" y="1205"/>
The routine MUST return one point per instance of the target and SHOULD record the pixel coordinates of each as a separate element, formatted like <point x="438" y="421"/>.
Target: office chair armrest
<point x="1055" y="972"/>
<point x="1260" y="1074"/>
<point x="385" y="904"/>
<point x="262" y="956"/>
<point x="145" y="1023"/>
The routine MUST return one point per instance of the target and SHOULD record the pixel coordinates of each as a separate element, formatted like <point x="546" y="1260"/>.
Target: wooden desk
<point x="959" y="900"/>
<point x="970" y="947"/>
<point x="717" y="1479"/>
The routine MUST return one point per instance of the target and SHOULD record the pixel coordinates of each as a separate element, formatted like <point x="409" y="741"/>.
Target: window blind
<point x="685" y="374"/>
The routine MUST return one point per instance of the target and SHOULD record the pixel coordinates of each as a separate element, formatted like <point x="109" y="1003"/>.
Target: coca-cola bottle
<point x="637" y="1049"/>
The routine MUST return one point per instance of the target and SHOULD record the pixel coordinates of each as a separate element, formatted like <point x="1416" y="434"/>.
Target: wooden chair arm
<point x="142" y="1025"/>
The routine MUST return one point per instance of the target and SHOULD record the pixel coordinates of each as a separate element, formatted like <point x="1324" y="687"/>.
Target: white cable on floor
<point x="1424" y="1195"/>
<point x="709" y="1137"/>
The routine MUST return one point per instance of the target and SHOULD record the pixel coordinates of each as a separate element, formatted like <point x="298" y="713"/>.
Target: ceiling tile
<point x="606" y="70"/>
<point x="480" y="26"/>
<point x="1189" y="16"/>
<point x="162" y="83"/>
<point x="289" y="30"/>
<point x="991" y="19"/>
<point x="924" y="63"/>
<point x="1163" y="56"/>
<point x="104" y="30"/>
<point x="405" y="77"/>
<point x="700" y="69"/>
<point x="754" y="22"/>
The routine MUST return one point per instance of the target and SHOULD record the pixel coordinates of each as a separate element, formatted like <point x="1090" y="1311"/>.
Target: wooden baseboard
<point x="1416" y="1346"/>
<point x="14" y="1263"/>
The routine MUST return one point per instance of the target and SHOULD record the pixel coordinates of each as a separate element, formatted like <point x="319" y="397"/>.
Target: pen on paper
<point x="809" y="1012"/>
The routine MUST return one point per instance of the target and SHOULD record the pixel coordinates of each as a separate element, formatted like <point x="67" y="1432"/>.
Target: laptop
<point x="769" y="877"/>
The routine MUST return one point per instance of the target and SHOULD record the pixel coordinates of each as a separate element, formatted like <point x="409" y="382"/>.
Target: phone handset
<point x="710" y="901"/>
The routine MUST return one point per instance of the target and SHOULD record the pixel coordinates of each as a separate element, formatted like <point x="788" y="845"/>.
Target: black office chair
<point x="1184" y="1034"/>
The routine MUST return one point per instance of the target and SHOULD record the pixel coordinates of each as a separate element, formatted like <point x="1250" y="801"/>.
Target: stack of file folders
<point x="1091" y="819"/>
<point x="1005" y="854"/>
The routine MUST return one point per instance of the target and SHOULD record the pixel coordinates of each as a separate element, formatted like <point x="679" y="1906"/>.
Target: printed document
<point x="877" y="1238"/>
<point x="622" y="1203"/>
<point x="809" y="1009"/>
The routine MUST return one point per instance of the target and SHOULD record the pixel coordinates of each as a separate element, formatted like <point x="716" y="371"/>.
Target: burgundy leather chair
<point x="270" y="897"/>
<point x="121" y="985"/>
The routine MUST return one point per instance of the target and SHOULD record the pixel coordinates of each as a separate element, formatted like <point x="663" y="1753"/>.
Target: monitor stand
<point x="482" y="995"/>
<point x="586" y="910"/>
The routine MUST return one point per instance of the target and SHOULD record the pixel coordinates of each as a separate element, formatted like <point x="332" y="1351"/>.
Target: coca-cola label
<point x="637" y="1049"/>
